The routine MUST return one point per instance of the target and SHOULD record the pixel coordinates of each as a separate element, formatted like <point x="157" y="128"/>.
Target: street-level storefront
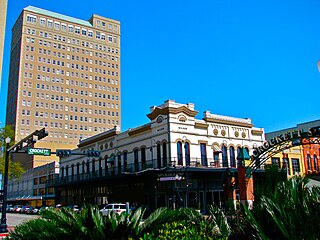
<point x="171" y="187"/>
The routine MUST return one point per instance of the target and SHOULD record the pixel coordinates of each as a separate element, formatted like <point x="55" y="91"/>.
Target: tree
<point x="15" y="169"/>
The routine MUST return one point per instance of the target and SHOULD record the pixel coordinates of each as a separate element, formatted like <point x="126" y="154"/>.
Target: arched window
<point x="232" y="157"/>
<point x="67" y="171"/>
<point x="203" y="151"/>
<point x="143" y="158"/>
<point x="83" y="167"/>
<point x="100" y="166"/>
<point x="159" y="155"/>
<point x="62" y="172"/>
<point x="88" y="166"/>
<point x="308" y="162"/>
<point x="78" y="170"/>
<point x="238" y="153"/>
<point x="164" y="154"/>
<point x="136" y="159"/>
<point x="187" y="153"/>
<point x="119" y="163"/>
<point x="125" y="161"/>
<point x="224" y="155"/>
<point x="179" y="152"/>
<point x="93" y="165"/>
<point x="106" y="164"/>
<point x="315" y="162"/>
<point x="72" y="171"/>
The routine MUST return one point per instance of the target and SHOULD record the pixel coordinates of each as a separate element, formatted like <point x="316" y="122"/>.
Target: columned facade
<point x="174" y="160"/>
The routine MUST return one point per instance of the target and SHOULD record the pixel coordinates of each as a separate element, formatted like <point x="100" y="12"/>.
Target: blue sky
<point x="255" y="59"/>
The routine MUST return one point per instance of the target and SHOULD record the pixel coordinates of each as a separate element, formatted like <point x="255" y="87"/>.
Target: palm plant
<point x="63" y="224"/>
<point x="292" y="212"/>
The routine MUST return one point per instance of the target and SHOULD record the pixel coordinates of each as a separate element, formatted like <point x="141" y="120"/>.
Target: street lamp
<point x="3" y="225"/>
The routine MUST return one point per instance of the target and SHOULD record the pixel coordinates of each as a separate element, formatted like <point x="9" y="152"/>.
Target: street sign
<point x="39" y="151"/>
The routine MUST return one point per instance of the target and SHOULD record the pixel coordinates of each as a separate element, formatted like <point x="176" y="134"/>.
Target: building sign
<point x="284" y="137"/>
<point x="39" y="151"/>
<point x="169" y="177"/>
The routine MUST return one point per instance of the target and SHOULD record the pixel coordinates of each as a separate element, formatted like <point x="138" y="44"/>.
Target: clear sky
<point x="255" y="59"/>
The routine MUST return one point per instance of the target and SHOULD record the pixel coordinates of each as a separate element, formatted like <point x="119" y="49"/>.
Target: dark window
<point x="179" y="152"/>
<point x="203" y="151"/>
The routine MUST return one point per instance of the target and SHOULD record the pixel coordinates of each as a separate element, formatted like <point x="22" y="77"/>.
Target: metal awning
<point x="216" y="148"/>
<point x="111" y="159"/>
<point x="243" y="154"/>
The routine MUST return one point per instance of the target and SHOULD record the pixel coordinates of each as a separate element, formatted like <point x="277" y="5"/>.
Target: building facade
<point x="299" y="160"/>
<point x="32" y="188"/>
<point x="174" y="160"/>
<point x="3" y="15"/>
<point x="64" y="76"/>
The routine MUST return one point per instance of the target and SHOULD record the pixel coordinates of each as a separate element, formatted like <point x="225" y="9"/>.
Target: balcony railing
<point x="125" y="169"/>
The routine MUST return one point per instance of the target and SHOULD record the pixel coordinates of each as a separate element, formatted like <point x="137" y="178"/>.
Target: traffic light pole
<point x="3" y="225"/>
<point x="27" y="141"/>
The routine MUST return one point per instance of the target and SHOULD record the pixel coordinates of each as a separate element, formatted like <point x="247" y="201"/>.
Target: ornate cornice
<point x="229" y="122"/>
<point x="256" y="132"/>
<point x="201" y="125"/>
<point x="169" y="110"/>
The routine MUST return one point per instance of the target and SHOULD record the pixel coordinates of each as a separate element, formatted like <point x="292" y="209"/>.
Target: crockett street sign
<point x="39" y="151"/>
<point x="284" y="137"/>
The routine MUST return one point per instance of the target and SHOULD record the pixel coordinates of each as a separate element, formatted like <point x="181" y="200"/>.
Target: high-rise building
<point x="3" y="14"/>
<point x="64" y="76"/>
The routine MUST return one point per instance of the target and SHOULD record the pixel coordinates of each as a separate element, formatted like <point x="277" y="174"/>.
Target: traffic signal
<point x="41" y="133"/>
<point x="63" y="152"/>
<point x="93" y="153"/>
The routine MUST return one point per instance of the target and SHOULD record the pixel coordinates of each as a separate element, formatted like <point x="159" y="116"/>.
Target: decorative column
<point x="245" y="182"/>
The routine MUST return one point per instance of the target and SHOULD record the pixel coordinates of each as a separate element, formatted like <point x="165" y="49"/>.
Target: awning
<point x="216" y="148"/>
<point x="243" y="154"/>
<point x="111" y="159"/>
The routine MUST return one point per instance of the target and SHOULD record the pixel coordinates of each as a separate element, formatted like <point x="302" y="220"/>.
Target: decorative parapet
<point x="214" y="118"/>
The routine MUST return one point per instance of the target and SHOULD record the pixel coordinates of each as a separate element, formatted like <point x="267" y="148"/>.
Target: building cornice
<point x="97" y="138"/>
<point x="170" y="110"/>
<point x="139" y="130"/>
<point x="228" y="122"/>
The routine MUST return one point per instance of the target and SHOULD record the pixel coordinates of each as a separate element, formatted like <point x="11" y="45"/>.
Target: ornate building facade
<point x="173" y="160"/>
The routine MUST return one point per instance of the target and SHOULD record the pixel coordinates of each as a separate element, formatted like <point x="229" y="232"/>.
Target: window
<point x="232" y="157"/>
<point x="203" y="152"/>
<point x="57" y="25"/>
<point x="275" y="161"/>
<point x="84" y="31"/>
<point x="187" y="153"/>
<point x="224" y="155"/>
<point x="77" y="30"/>
<point x="308" y="162"/>
<point x="31" y="18"/>
<point x="50" y="23"/>
<point x="90" y="33"/>
<point x="179" y="153"/>
<point x="42" y="21"/>
<point x="315" y="163"/>
<point x="295" y="165"/>
<point x="70" y="28"/>
<point x="136" y="159"/>
<point x="63" y="27"/>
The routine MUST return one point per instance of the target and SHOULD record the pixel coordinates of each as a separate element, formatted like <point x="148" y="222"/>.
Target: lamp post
<point x="3" y="225"/>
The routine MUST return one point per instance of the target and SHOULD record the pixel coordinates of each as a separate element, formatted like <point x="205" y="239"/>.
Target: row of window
<point x="80" y="83"/>
<point x="70" y="29"/>
<point x="68" y="117"/>
<point x="72" y="41"/>
<point x="73" y="65"/>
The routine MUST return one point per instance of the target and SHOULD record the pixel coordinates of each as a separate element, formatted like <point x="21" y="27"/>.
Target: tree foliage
<point x="15" y="169"/>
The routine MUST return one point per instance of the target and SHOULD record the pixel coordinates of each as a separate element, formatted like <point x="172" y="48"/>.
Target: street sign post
<point x="39" y="151"/>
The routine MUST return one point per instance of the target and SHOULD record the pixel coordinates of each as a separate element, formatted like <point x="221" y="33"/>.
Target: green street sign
<point x="39" y="151"/>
